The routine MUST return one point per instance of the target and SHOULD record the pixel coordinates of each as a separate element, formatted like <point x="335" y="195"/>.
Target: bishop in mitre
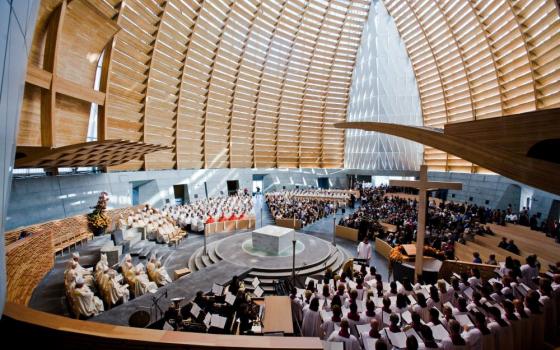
<point x="84" y="302"/>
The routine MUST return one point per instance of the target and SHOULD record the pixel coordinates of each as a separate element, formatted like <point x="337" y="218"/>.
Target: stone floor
<point x="49" y="295"/>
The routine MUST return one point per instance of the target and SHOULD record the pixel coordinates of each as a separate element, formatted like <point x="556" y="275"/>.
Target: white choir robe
<point x="447" y="344"/>
<point x="311" y="325"/>
<point x="364" y="339"/>
<point x="151" y="270"/>
<point x="85" y="303"/>
<point x="328" y="327"/>
<point x="474" y="339"/>
<point x="364" y="251"/>
<point x="424" y="312"/>
<point x="114" y="292"/>
<point x="350" y="343"/>
<point x="143" y="285"/>
<point x="161" y="277"/>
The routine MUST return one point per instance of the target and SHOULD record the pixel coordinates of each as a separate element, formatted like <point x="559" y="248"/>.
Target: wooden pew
<point x="388" y="227"/>
<point x="457" y="266"/>
<point x="383" y="248"/>
<point x="346" y="233"/>
<point x="530" y="242"/>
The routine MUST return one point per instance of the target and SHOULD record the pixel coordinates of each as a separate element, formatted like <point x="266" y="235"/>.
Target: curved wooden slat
<point x="533" y="172"/>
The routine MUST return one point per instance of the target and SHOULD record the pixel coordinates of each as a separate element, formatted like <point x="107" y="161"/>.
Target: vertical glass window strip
<point x="383" y="90"/>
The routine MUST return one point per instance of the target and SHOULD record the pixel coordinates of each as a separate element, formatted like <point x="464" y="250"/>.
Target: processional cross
<point x="424" y="186"/>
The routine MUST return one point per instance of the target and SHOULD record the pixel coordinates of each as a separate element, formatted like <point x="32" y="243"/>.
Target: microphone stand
<point x="155" y="304"/>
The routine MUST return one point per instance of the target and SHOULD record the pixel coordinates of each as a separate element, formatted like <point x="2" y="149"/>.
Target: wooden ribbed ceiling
<point x="240" y="84"/>
<point x="479" y="59"/>
<point x="251" y="83"/>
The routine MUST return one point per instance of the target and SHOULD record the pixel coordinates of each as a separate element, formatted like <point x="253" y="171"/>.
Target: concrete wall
<point x="17" y="21"/>
<point x="498" y="190"/>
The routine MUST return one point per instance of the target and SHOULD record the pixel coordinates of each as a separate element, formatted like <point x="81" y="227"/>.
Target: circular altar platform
<point x="310" y="251"/>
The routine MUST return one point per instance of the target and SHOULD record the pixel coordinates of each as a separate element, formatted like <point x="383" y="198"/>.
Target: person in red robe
<point x="222" y="218"/>
<point x="210" y="219"/>
<point x="242" y="216"/>
<point x="233" y="217"/>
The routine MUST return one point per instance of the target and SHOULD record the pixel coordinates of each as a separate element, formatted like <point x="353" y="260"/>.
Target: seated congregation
<point x="357" y="308"/>
<point x="174" y="222"/>
<point x="309" y="205"/>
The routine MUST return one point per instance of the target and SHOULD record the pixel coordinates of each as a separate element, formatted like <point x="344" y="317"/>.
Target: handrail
<point x="111" y="336"/>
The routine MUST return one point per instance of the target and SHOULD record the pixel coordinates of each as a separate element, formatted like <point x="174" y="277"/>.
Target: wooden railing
<point x="458" y="266"/>
<point x="382" y="248"/>
<point x="346" y="233"/>
<point x="289" y="223"/>
<point x="28" y="260"/>
<point x="49" y="329"/>
<point x="230" y="226"/>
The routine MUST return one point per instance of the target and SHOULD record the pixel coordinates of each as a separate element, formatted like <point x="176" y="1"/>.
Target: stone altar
<point x="272" y="239"/>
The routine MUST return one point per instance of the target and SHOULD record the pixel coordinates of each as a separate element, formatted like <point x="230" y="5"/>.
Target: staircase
<point x="267" y="277"/>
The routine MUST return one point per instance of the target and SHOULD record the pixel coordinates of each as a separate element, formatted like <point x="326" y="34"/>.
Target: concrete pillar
<point x="17" y="23"/>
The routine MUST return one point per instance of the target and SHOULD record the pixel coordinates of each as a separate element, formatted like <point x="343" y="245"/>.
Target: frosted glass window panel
<point x="383" y="89"/>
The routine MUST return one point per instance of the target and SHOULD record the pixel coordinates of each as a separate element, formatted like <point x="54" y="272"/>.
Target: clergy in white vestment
<point x="100" y="267"/>
<point x="85" y="273"/>
<point x="84" y="302"/>
<point x="364" y="249"/>
<point x="70" y="276"/>
<point x="161" y="277"/>
<point x="142" y="284"/>
<point x="344" y="336"/>
<point x="114" y="291"/>
<point x="151" y="268"/>
<point x="127" y="264"/>
<point x="311" y="325"/>
<point x="151" y="231"/>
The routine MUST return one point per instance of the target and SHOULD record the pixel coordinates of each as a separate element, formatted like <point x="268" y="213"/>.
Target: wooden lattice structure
<point x="97" y="153"/>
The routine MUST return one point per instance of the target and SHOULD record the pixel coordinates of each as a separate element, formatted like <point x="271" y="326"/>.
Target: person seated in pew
<point x="100" y="267"/>
<point x="455" y="340"/>
<point x="85" y="273"/>
<point x="151" y="267"/>
<point x="142" y="284"/>
<point x="70" y="275"/>
<point x="344" y="336"/>
<point x="161" y="277"/>
<point x="113" y="291"/>
<point x="85" y="303"/>
<point x="512" y="247"/>
<point x="491" y="260"/>
<point x="501" y="328"/>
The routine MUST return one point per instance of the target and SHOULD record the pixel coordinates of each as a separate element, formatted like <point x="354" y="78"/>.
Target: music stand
<point x="155" y="305"/>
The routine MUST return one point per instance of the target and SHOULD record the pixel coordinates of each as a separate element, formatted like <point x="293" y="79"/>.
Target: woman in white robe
<point x="84" y="302"/>
<point x="70" y="276"/>
<point x="311" y="325"/>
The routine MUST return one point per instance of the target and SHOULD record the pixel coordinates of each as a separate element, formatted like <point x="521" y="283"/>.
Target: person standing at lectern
<point x="364" y="249"/>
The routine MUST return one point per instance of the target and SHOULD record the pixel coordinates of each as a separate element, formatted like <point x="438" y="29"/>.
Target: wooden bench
<point x="289" y="223"/>
<point x="346" y="233"/>
<point x="530" y="242"/>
